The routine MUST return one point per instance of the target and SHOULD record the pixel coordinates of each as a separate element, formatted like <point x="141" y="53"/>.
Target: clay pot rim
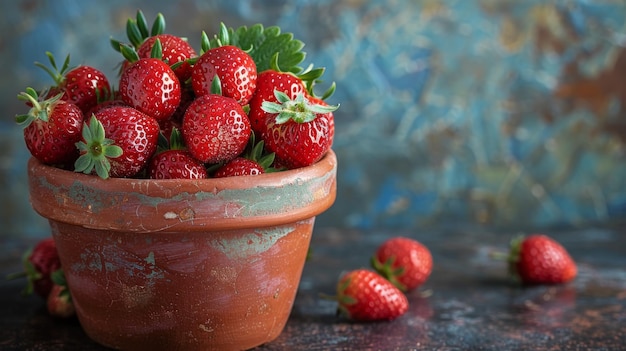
<point x="90" y="201"/>
<point x="271" y="178"/>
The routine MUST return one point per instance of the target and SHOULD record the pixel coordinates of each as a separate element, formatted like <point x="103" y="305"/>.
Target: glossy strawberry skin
<point x="267" y="82"/>
<point x="215" y="128"/>
<point x="44" y="259"/>
<point x="541" y="260"/>
<point x="239" y="166"/>
<point x="176" y="164"/>
<point x="174" y="49"/>
<point x="53" y="141"/>
<point x="150" y="86"/>
<point x="363" y="295"/>
<point x="83" y="86"/>
<point x="299" y="144"/>
<point x="135" y="132"/>
<point x="235" y="69"/>
<point x="404" y="261"/>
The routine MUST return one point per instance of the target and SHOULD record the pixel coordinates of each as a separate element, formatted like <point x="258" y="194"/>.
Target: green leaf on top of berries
<point x="96" y="150"/>
<point x="265" y="43"/>
<point x="300" y="109"/>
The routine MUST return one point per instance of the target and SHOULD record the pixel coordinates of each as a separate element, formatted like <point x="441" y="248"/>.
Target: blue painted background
<point x="491" y="112"/>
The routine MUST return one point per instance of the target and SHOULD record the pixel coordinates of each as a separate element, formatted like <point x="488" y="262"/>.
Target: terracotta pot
<point x="183" y="265"/>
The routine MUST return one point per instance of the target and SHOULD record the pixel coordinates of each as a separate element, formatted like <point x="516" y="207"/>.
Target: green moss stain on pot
<point x="112" y="258"/>
<point x="249" y="202"/>
<point x="241" y="247"/>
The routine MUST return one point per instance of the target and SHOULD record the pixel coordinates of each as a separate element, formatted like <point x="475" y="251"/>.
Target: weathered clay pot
<point x="211" y="264"/>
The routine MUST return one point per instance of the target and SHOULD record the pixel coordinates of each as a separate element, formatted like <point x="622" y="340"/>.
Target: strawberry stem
<point x="39" y="110"/>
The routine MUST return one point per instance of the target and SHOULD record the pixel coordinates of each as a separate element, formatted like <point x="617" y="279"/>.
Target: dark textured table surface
<point x="472" y="306"/>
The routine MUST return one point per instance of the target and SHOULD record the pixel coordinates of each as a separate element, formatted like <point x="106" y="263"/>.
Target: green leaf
<point x="158" y="27"/>
<point x="142" y="24"/>
<point x="216" y="86"/>
<point x="58" y="277"/>
<point x="262" y="44"/>
<point x="133" y="33"/>
<point x="224" y="35"/>
<point x="157" y="50"/>
<point x="129" y="53"/>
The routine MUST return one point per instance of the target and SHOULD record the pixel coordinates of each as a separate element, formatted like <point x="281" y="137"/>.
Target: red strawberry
<point x="238" y="167"/>
<point x="252" y="162"/>
<point x="215" y="128"/>
<point x="405" y="262"/>
<point x="105" y="104"/>
<point x="59" y="302"/>
<point x="174" y="50"/>
<point x="51" y="128"/>
<point x="175" y="162"/>
<point x="364" y="295"/>
<point x="267" y="82"/>
<point x="302" y="130"/>
<point x="538" y="259"/>
<point x="235" y="69"/>
<point x="150" y="86"/>
<point x="82" y="85"/>
<point x="39" y="265"/>
<point x="118" y="142"/>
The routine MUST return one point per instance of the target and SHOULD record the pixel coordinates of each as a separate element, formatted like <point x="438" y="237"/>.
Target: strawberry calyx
<point x="343" y="299"/>
<point x="40" y="110"/>
<point x="387" y="270"/>
<point x="514" y="255"/>
<point x="30" y="273"/>
<point x="95" y="150"/>
<point x="58" y="75"/>
<point x="58" y="278"/>
<point x="137" y="30"/>
<point x="255" y="151"/>
<point x="175" y="141"/>
<point x="299" y="109"/>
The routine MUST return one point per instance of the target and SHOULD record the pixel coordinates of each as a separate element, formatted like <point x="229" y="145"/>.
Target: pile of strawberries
<point x="239" y="106"/>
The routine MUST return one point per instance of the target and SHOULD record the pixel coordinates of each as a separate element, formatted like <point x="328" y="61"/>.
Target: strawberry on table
<point x="51" y="128"/>
<point x="405" y="262"/>
<point x="117" y="142"/>
<point x="215" y="128"/>
<point x="363" y="295"/>
<point x="39" y="264"/>
<point x="59" y="300"/>
<point x="539" y="259"/>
